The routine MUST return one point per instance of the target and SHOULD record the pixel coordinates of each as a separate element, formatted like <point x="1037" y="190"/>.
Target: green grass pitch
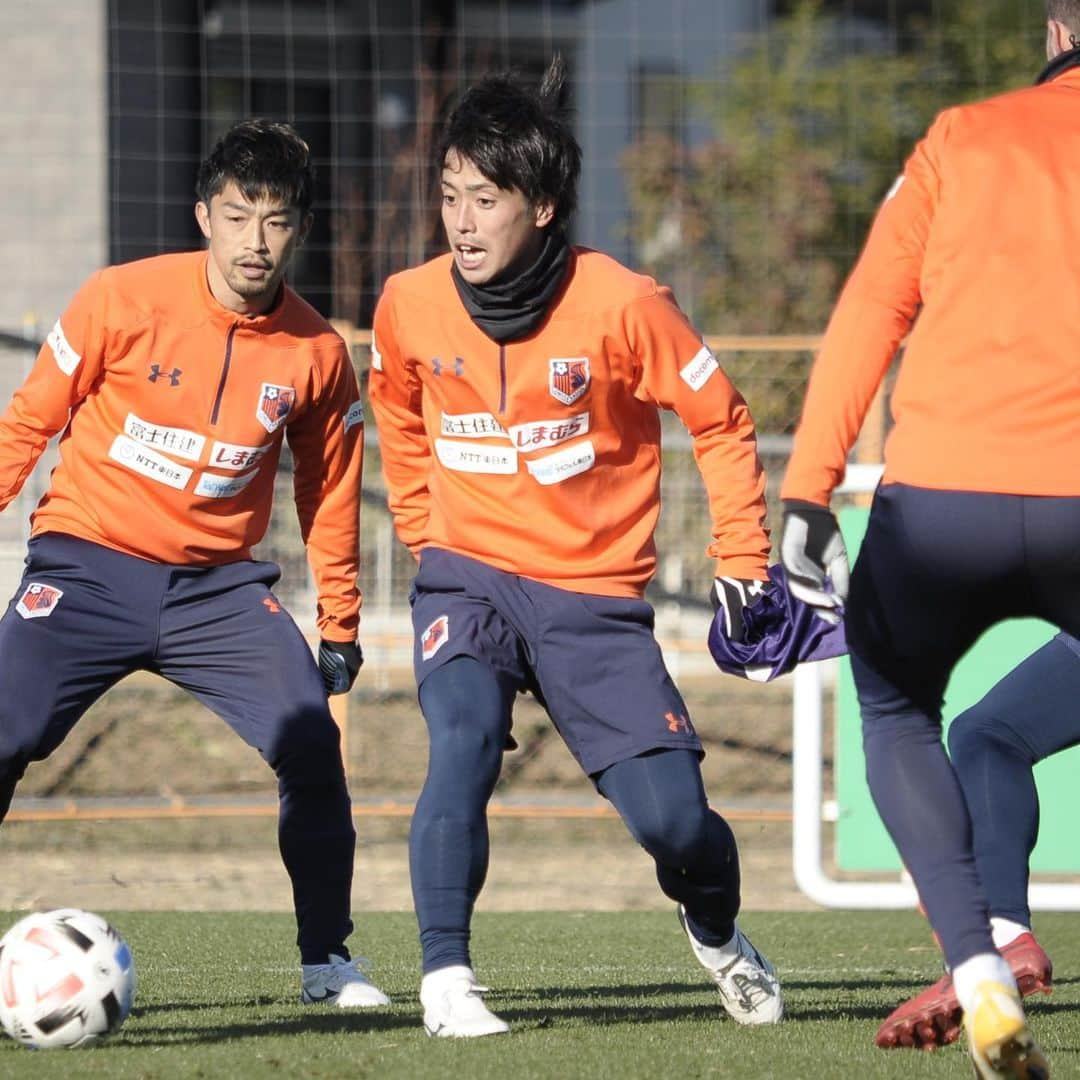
<point x="587" y="995"/>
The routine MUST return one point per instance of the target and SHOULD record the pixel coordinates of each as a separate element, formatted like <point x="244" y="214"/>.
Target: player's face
<point x="491" y="230"/>
<point x="251" y="244"/>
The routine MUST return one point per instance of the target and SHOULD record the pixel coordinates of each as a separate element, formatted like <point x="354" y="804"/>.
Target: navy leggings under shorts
<point x="935" y="570"/>
<point x="1026" y="717"/>
<point x="84" y="616"/>
<point x="483" y="635"/>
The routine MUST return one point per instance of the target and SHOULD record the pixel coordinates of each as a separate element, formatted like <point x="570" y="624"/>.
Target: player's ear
<point x="305" y="227"/>
<point x="1058" y="39"/>
<point x="544" y="213"/>
<point x="202" y="216"/>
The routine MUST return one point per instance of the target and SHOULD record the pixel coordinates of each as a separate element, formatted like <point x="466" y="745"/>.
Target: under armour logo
<point x="271" y="605"/>
<point x="156" y="373"/>
<point x="677" y="722"/>
<point x="458" y="368"/>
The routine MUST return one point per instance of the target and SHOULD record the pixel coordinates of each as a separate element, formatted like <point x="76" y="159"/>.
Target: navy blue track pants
<point x="935" y="570"/>
<point x="85" y="616"/>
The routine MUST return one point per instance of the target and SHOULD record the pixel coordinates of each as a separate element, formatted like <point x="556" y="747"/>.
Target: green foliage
<point x="756" y="226"/>
<point x="587" y="995"/>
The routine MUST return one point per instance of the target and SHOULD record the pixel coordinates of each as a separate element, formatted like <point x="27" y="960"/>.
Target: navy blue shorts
<point x="592" y="661"/>
<point x="85" y="616"/>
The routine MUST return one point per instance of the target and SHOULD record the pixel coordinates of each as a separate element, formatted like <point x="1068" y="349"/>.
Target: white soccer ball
<point x="66" y="978"/>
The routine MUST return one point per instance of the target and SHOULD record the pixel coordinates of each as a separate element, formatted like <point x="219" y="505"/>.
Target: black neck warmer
<point x="512" y="308"/>
<point x="1061" y="62"/>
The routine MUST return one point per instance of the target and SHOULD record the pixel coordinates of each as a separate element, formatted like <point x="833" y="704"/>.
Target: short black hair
<point x="518" y="137"/>
<point x="263" y="158"/>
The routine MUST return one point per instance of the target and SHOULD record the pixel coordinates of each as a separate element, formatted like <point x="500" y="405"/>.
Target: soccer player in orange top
<point x="516" y="383"/>
<point x="174" y="381"/>
<point x="974" y="252"/>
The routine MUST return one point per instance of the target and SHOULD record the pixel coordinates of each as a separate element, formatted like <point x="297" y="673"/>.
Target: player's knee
<point x="675" y="834"/>
<point x="17" y="749"/>
<point x="306" y="741"/>
<point x="976" y="733"/>
<point x="465" y="746"/>
<point x="887" y="727"/>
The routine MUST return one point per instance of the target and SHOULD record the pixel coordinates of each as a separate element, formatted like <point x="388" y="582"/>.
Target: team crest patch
<point x="275" y="405"/>
<point x="435" y="637"/>
<point x="38" y="600"/>
<point x="568" y="378"/>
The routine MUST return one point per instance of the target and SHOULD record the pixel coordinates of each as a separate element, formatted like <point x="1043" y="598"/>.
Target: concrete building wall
<point x="53" y="193"/>
<point x="53" y="131"/>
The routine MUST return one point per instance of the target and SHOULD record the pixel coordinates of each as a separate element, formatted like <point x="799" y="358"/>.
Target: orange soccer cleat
<point x="933" y="1018"/>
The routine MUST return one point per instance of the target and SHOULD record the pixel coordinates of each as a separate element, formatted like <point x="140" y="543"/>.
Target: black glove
<point x="815" y="558"/>
<point x="731" y="595"/>
<point x="339" y="661"/>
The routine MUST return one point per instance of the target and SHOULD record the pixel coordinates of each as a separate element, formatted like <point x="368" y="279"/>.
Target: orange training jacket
<point x="173" y="410"/>
<point x="542" y="457"/>
<point x="983" y="232"/>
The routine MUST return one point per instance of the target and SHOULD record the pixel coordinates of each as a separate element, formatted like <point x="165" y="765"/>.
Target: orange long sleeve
<point x="542" y="457"/>
<point x="977" y="246"/>
<point x="173" y="411"/>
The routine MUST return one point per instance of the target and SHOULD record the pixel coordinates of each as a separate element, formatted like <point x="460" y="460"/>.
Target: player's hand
<point x="731" y="595"/>
<point x="339" y="662"/>
<point x="815" y="558"/>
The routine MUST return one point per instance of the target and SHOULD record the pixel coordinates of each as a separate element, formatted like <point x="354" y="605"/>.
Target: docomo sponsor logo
<point x="179" y="441"/>
<point x="67" y="359"/>
<point x="233" y="456"/>
<point x="211" y="486"/>
<point x="698" y="372"/>
<point x="354" y="416"/>
<point x="141" y="459"/>
<point x="476" y="457"/>
<point x="554" y="468"/>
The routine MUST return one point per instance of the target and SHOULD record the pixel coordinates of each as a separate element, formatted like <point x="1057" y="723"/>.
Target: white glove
<point x="815" y="558"/>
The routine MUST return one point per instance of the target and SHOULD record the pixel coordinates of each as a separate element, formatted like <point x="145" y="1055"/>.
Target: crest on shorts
<point x="38" y="600"/>
<point x="568" y="378"/>
<point x="275" y="404"/>
<point x="435" y="637"/>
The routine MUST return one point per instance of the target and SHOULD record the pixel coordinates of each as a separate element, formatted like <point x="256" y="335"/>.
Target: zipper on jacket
<point x="502" y="378"/>
<point x="224" y="373"/>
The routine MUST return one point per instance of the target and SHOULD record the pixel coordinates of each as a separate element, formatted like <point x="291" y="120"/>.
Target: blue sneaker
<point x="341" y="983"/>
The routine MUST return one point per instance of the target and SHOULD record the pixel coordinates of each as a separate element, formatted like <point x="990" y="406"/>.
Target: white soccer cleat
<point x="747" y="981"/>
<point x="453" y="1007"/>
<point x="341" y="983"/>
